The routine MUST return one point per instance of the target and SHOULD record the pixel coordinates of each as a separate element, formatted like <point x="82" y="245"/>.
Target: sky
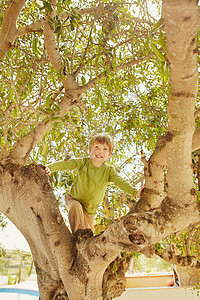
<point x="11" y="238"/>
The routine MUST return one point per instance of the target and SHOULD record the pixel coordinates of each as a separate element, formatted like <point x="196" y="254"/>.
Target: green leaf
<point x="159" y="23"/>
<point x="60" y="137"/>
<point x="1" y="19"/>
<point x="34" y="44"/>
<point x="115" y="84"/>
<point x="58" y="29"/>
<point x="42" y="110"/>
<point x="48" y="7"/>
<point x="48" y="98"/>
<point x="68" y="64"/>
<point x="160" y="41"/>
<point x="57" y="107"/>
<point x="51" y="24"/>
<point x="9" y="53"/>
<point x="100" y="98"/>
<point x="115" y="268"/>
<point x="71" y="25"/>
<point x="157" y="52"/>
<point x="44" y="148"/>
<point x="49" y="110"/>
<point x="107" y="69"/>
<point x="55" y="118"/>
<point x="83" y="80"/>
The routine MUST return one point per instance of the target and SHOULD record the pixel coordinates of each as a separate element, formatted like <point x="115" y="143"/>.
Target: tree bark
<point x="9" y="29"/>
<point x="181" y="22"/>
<point x="187" y="276"/>
<point x="64" y="265"/>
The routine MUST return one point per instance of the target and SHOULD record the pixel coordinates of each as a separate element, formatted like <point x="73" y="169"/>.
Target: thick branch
<point x="182" y="23"/>
<point x="50" y="41"/>
<point x="9" y="29"/>
<point x="184" y="261"/>
<point x="39" y="23"/>
<point x="28" y="201"/>
<point x="23" y="148"/>
<point x="137" y="232"/>
<point x="68" y="81"/>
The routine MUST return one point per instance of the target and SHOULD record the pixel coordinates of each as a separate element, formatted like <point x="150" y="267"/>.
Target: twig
<point x="88" y="42"/>
<point x="73" y="52"/>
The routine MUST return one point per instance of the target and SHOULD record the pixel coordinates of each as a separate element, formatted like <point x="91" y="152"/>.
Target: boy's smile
<point x="99" y="154"/>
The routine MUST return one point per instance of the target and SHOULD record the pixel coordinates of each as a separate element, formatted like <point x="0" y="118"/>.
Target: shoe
<point x="81" y="234"/>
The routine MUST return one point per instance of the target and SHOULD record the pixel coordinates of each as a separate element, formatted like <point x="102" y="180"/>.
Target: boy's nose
<point x="100" y="152"/>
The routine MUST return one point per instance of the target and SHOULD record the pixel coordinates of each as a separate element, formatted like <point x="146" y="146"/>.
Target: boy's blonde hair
<point x="102" y="138"/>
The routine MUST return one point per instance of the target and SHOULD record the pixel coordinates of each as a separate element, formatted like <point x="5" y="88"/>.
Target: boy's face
<point x="99" y="154"/>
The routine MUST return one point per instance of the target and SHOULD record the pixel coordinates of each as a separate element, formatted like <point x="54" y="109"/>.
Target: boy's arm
<point x="122" y="183"/>
<point x="70" y="164"/>
<point x="139" y="192"/>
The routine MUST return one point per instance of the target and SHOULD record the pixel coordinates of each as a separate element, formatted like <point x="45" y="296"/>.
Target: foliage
<point x="17" y="265"/>
<point x="31" y="88"/>
<point x="2" y="253"/>
<point x="3" y="222"/>
<point x="141" y="264"/>
<point x="128" y="102"/>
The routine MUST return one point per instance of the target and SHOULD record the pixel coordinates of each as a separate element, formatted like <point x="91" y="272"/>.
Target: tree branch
<point x="88" y="42"/>
<point x="68" y="81"/>
<point x="181" y="31"/>
<point x="95" y="80"/>
<point x="137" y="232"/>
<point x="24" y="146"/>
<point x="39" y="23"/>
<point x="184" y="261"/>
<point x="9" y="29"/>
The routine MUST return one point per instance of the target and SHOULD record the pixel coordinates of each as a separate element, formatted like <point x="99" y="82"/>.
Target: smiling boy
<point x="90" y="184"/>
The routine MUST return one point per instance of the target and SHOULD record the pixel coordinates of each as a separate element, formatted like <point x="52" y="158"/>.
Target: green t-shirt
<point x="91" y="182"/>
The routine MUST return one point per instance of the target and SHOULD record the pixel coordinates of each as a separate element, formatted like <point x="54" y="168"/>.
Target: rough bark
<point x="186" y="267"/>
<point x="175" y="148"/>
<point x="27" y="200"/>
<point x="187" y="276"/>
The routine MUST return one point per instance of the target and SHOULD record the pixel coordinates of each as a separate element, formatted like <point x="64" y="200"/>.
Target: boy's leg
<point x="75" y="213"/>
<point x="78" y="219"/>
<point x="89" y="221"/>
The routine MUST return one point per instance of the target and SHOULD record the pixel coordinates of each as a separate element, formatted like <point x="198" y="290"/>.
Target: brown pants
<point x="78" y="219"/>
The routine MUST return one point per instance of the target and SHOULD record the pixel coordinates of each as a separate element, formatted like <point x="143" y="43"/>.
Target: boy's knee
<point x="76" y="206"/>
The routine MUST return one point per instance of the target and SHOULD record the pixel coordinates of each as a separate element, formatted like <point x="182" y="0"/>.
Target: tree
<point x="54" y="56"/>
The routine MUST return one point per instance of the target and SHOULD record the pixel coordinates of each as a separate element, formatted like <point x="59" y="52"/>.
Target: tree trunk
<point x="65" y="266"/>
<point x="173" y="152"/>
<point x="188" y="276"/>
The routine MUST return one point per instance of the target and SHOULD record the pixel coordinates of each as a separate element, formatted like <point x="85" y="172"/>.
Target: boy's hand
<point x="139" y="192"/>
<point x="47" y="170"/>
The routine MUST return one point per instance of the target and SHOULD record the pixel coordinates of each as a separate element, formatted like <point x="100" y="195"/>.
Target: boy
<point x="91" y="182"/>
